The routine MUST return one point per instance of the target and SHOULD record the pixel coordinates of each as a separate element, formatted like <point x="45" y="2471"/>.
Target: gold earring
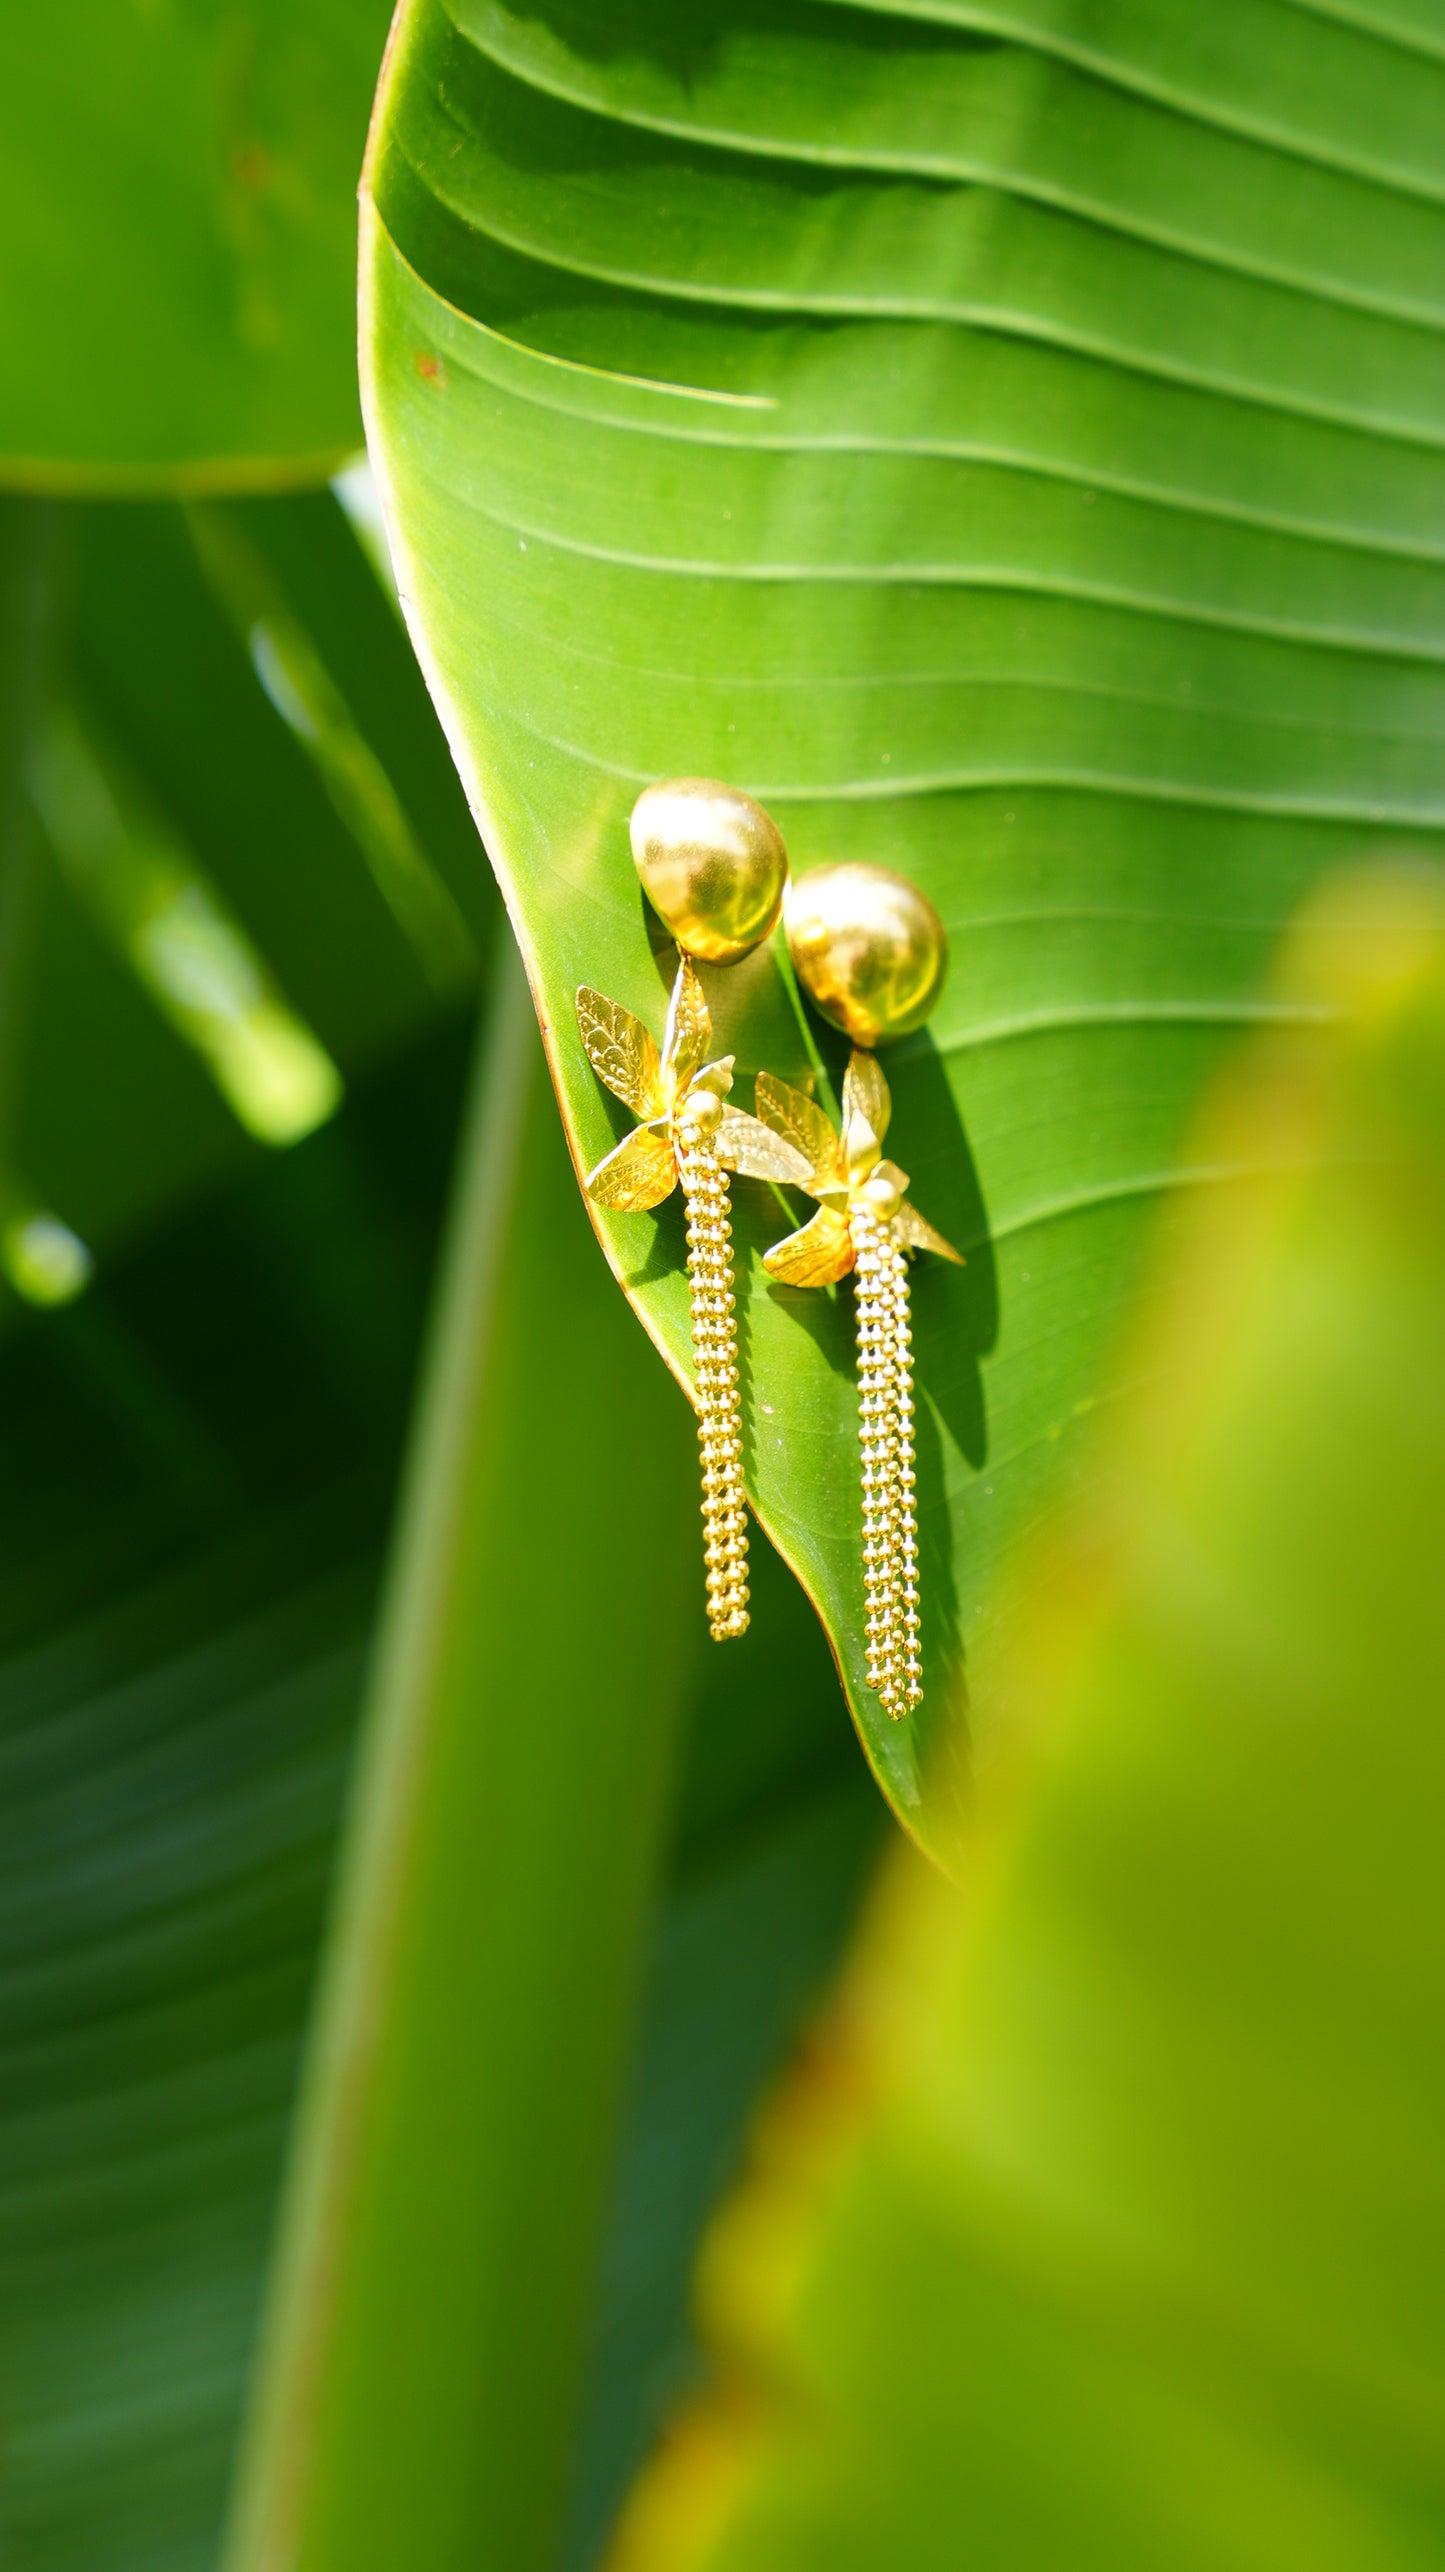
<point x="872" y="952"/>
<point x="868" y="947"/>
<point x="714" y="865"/>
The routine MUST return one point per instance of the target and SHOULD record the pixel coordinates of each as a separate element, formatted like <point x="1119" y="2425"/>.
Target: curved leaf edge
<point x="921" y="1821"/>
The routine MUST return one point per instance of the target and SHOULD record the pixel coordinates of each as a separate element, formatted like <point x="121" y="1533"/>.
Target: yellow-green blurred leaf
<point x="1106" y="2228"/>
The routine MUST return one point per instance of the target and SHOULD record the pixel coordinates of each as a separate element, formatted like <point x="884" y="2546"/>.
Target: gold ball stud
<point x="882" y="1196"/>
<point x="868" y="947"/>
<point x="713" y="865"/>
<point x="702" y="1113"/>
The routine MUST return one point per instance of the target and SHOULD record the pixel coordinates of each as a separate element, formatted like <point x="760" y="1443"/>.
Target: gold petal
<point x="620" y="1051"/>
<point x="742" y="1143"/>
<point x="861" y="1150"/>
<point x="637" y="1175"/>
<point x="716" y="1076"/>
<point x="899" y="1178"/>
<point x="909" y="1226"/>
<point x="818" y="1255"/>
<point x="801" y="1122"/>
<point x="689" y="1031"/>
<point x="865" y="1092"/>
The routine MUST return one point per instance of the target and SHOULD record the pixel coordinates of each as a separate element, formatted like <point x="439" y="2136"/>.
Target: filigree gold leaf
<point x="801" y="1122"/>
<point x="620" y="1051"/>
<point x="743" y="1143"/>
<point x="909" y="1226"/>
<point x="637" y="1175"/>
<point x="865" y="1092"/>
<point x="897" y="1178"/>
<point x="817" y="1255"/>
<point x="689" y="1031"/>
<point x="716" y="1076"/>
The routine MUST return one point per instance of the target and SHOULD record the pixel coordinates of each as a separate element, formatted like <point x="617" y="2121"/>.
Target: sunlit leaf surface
<point x="1008" y="442"/>
<point x="1106" y="2228"/>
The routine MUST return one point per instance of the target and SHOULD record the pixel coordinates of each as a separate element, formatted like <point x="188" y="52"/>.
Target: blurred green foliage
<point x="200" y="1457"/>
<point x="1108" y="2229"/>
<point x="177" y="202"/>
<point x="174" y="793"/>
<point x="200" y="1471"/>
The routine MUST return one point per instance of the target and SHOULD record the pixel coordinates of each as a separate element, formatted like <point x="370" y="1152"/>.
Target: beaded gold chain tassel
<point x="885" y="1410"/>
<point x="713" y="865"/>
<point x="879" y="1445"/>
<point x="906" y="1481"/>
<point x="864" y="1227"/>
<point x="715" y="1353"/>
<point x="872" y="953"/>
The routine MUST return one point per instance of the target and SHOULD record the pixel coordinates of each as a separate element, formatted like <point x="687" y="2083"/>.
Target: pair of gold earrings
<point x="872" y="953"/>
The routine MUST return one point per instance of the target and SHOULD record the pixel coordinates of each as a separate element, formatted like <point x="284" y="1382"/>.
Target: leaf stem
<point x="432" y="2286"/>
<point x="826" y="1094"/>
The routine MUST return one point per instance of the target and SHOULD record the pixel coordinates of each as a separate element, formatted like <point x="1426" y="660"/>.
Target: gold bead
<point x="713" y="865"/>
<point x="702" y="1112"/>
<point x="869" y="947"/>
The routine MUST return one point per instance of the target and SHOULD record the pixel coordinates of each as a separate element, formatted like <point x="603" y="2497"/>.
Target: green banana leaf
<point x="1009" y="443"/>
<point x="1107" y="2229"/>
<point x="177" y="201"/>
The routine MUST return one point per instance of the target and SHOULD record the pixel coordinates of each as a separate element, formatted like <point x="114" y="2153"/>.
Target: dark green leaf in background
<point x="196" y="1485"/>
<point x="27" y="636"/>
<point x="194" y="1493"/>
<point x="1009" y="445"/>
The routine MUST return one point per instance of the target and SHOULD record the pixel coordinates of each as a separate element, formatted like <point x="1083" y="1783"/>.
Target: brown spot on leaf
<point x="250" y="165"/>
<point x="430" y="366"/>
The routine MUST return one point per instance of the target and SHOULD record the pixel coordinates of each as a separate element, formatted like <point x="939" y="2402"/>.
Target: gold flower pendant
<point x="689" y="1137"/>
<point x="865" y="1224"/>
